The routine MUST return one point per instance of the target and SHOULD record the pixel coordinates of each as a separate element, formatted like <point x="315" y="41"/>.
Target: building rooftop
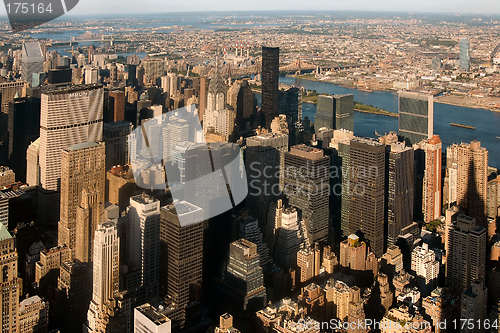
<point x="32" y="50"/>
<point x="65" y="89"/>
<point x="29" y="301"/>
<point x="84" y="145"/>
<point x="152" y="314"/>
<point x="4" y="233"/>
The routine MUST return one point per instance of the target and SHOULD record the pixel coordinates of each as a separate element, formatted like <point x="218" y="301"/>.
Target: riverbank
<point x="486" y="103"/>
<point x="359" y="107"/>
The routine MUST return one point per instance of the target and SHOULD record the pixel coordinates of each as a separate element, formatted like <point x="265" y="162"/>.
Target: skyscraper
<point x="474" y="303"/>
<point x="399" y="190"/>
<point x="241" y="287"/>
<point x="69" y="116"/>
<point x="143" y="245"/>
<point x="472" y="179"/>
<point x="289" y="239"/>
<point x="464" y="55"/>
<point x="82" y="197"/>
<point x="217" y="118"/>
<point x="9" y="91"/>
<point x="426" y="268"/>
<point x="106" y="264"/>
<point x="115" y="136"/>
<point x="264" y="152"/>
<point x="23" y="128"/>
<point x="116" y="106"/>
<point x="306" y="185"/>
<point x="32" y="60"/>
<point x="181" y="258"/>
<point x="245" y="107"/>
<point x="416" y="117"/>
<point x="10" y="285"/>
<point x="270" y="82"/>
<point x="466" y="260"/>
<point x="366" y="189"/>
<point x="335" y="112"/>
<point x="431" y="192"/>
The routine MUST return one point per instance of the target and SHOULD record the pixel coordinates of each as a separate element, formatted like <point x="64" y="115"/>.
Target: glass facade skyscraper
<point x="464" y="55"/>
<point x="416" y="117"/>
<point x="335" y="112"/>
<point x="270" y="82"/>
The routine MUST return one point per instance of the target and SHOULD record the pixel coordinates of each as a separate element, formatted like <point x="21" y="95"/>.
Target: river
<point x="487" y="123"/>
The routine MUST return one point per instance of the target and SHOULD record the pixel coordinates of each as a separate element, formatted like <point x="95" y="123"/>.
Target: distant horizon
<point x="87" y="8"/>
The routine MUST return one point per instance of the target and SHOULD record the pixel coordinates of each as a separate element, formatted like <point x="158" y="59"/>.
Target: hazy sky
<point x="88" y="7"/>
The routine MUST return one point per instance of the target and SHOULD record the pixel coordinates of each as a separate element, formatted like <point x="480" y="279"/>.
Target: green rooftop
<point x="4" y="233"/>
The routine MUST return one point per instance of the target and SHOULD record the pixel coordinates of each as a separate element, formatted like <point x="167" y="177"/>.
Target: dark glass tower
<point x="240" y="290"/>
<point x="23" y="128"/>
<point x="400" y="186"/>
<point x="366" y="188"/>
<point x="306" y="185"/>
<point x="181" y="260"/>
<point x="416" y="117"/>
<point x="270" y="82"/>
<point x="335" y="112"/>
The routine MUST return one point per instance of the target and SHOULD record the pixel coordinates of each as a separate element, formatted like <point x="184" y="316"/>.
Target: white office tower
<point x="176" y="131"/>
<point x="105" y="275"/>
<point x="33" y="164"/>
<point x="32" y="60"/>
<point x="426" y="267"/>
<point x="165" y="84"/>
<point x="143" y="244"/>
<point x="91" y="75"/>
<point x="147" y="319"/>
<point x="69" y="116"/>
<point x="289" y="239"/>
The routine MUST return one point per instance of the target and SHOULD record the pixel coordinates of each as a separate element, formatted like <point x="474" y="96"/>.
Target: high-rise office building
<point x="245" y="106"/>
<point x="335" y="112"/>
<point x="115" y="136"/>
<point x="474" y="303"/>
<point x="472" y="179"/>
<point x="9" y="91"/>
<point x="69" y="116"/>
<point x="466" y="260"/>
<point x="431" y="189"/>
<point x="143" y="245"/>
<point x="464" y="55"/>
<point x="82" y="197"/>
<point x="289" y="103"/>
<point x="116" y="106"/>
<point x="289" y="239"/>
<point x="181" y="258"/>
<point x="270" y="82"/>
<point x="264" y="152"/>
<point x="249" y="230"/>
<point x="202" y="97"/>
<point x="106" y="264"/>
<point x="154" y="68"/>
<point x="23" y="128"/>
<point x="399" y="190"/>
<point x="416" y="117"/>
<point x="33" y="164"/>
<point x="426" y="268"/>
<point x="366" y="189"/>
<point x="10" y="285"/>
<point x="306" y="185"/>
<point x="32" y="60"/>
<point x="241" y="287"/>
